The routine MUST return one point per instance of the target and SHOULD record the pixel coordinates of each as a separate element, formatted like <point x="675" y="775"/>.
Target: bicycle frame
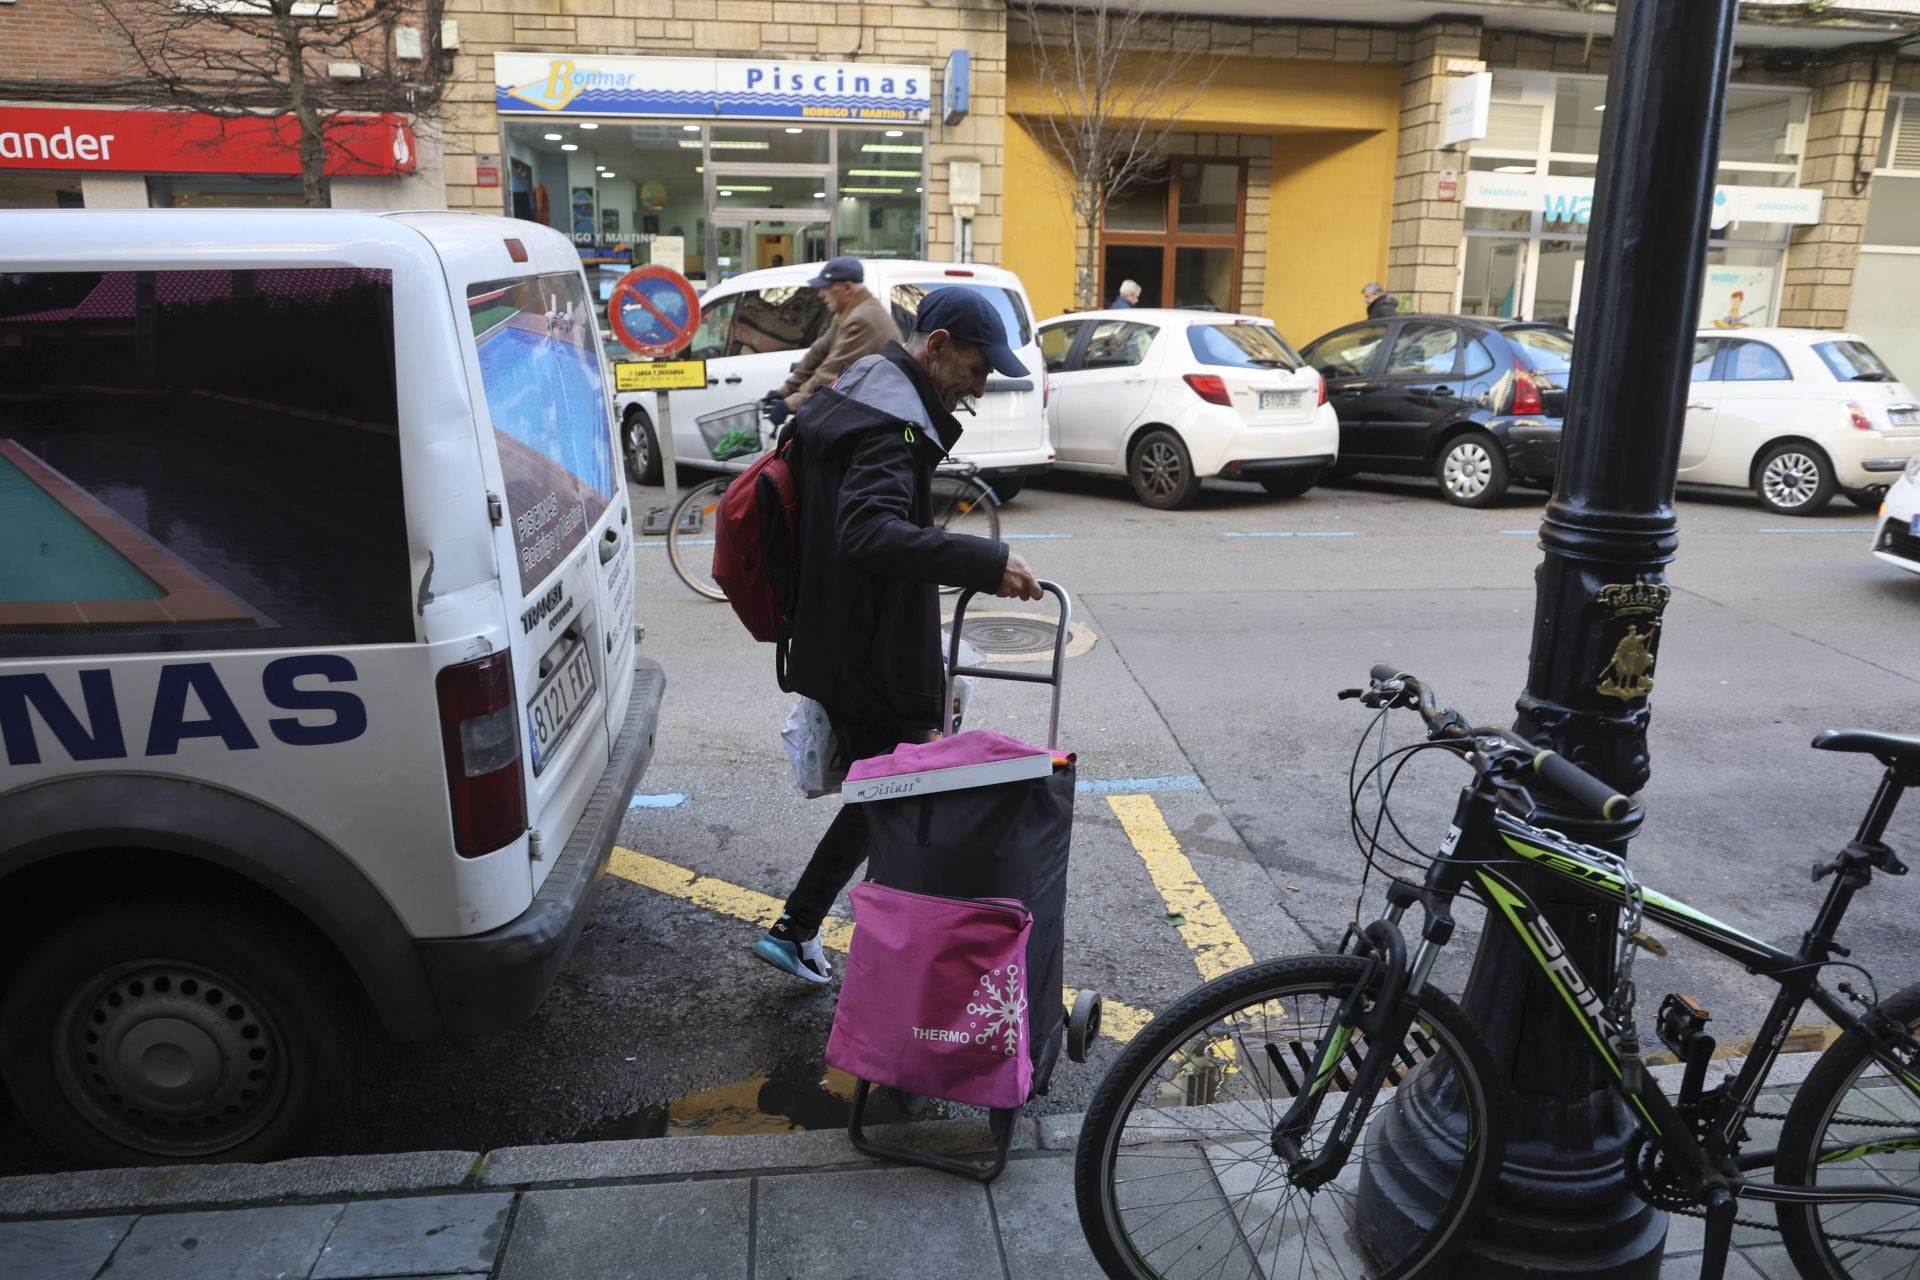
<point x="1485" y="839"/>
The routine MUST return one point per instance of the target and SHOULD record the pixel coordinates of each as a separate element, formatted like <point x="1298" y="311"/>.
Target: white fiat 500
<point x="1167" y="398"/>
<point x="1796" y="415"/>
<point x="1897" y="540"/>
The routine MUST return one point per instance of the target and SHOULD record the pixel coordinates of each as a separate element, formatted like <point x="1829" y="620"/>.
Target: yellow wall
<point x="1334" y="130"/>
<point x="1327" y="234"/>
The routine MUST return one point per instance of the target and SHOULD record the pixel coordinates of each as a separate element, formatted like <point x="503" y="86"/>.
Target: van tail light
<point x="1323" y="387"/>
<point x="1210" y="387"/>
<point x="1857" y="412"/>
<point x="1526" y="396"/>
<point x="480" y="733"/>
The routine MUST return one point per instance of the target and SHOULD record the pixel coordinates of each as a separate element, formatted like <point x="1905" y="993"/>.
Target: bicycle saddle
<point x="1895" y="750"/>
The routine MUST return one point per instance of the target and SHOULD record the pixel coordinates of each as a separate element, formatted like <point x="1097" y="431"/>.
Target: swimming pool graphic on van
<point x="549" y="409"/>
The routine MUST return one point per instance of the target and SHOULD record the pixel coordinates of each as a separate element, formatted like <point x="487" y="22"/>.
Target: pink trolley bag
<point x="952" y="987"/>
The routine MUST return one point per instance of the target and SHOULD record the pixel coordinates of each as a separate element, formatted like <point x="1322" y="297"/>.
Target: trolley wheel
<point x="1083" y="1024"/>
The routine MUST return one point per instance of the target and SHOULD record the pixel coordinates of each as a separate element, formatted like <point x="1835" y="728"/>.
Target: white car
<point x="1168" y="397"/>
<point x="754" y="327"/>
<point x="1898" y="539"/>
<point x="1796" y="415"/>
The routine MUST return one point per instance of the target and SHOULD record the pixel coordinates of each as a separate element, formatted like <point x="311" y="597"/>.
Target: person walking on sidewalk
<point x="865" y="640"/>
<point x="861" y="326"/>
<point x="1381" y="305"/>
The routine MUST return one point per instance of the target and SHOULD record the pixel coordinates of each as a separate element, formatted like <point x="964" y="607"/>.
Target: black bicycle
<point x="1337" y="1115"/>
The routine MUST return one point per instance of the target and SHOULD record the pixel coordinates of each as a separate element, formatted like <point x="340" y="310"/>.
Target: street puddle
<point x="786" y="1099"/>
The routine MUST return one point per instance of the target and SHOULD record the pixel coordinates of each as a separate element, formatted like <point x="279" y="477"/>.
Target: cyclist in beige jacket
<point x="862" y="325"/>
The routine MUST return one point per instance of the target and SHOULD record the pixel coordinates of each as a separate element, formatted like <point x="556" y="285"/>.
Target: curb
<point x="329" y="1178"/>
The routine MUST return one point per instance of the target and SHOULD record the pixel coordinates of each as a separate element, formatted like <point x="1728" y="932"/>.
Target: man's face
<point x="836" y="295"/>
<point x="958" y="369"/>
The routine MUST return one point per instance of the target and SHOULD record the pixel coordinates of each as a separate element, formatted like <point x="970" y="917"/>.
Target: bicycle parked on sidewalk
<point x="1337" y="1115"/>
<point x="962" y="501"/>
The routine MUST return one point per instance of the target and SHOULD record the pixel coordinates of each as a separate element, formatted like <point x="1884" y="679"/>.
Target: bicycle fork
<point x="1394" y="989"/>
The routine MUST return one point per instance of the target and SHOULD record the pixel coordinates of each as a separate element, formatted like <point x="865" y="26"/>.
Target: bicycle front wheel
<point x="1177" y="1173"/>
<point x="690" y="536"/>
<point x="961" y="504"/>
<point x="1855" y="1121"/>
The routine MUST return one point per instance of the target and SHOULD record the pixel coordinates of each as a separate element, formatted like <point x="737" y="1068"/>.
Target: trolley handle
<point x="1027" y="677"/>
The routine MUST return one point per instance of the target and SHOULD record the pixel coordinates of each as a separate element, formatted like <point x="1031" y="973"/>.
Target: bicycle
<point x="962" y="503"/>
<point x="1335" y="1114"/>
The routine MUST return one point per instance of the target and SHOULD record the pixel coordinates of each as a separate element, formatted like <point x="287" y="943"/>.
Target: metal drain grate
<point x="1002" y="635"/>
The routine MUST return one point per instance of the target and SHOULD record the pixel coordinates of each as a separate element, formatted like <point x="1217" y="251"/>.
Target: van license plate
<point x="1282" y="399"/>
<point x="557" y="704"/>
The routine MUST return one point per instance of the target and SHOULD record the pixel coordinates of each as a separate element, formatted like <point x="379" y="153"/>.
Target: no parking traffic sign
<point x="653" y="310"/>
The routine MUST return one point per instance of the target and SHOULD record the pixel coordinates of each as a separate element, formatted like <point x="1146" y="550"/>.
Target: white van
<point x="756" y="326"/>
<point x="318" y="686"/>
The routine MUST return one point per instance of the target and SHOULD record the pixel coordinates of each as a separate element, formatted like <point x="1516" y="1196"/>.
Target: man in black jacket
<point x="866" y="627"/>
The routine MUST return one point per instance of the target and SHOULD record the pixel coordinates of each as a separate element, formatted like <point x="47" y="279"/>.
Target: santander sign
<point x="97" y="141"/>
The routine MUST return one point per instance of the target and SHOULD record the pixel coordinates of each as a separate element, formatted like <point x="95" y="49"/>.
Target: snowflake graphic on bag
<point x="1003" y="1004"/>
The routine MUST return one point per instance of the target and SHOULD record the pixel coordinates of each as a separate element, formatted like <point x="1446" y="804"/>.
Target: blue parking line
<point x="671" y="800"/>
<point x="1519" y="533"/>
<point x="1108" y="786"/>
<point x="1861" y="532"/>
<point x="1011" y="537"/>
<point x="1291" y="533"/>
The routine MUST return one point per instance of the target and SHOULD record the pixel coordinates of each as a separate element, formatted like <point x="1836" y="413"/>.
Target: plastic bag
<point x="818" y="769"/>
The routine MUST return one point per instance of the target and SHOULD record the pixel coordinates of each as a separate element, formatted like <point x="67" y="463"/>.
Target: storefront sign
<point x="748" y="88"/>
<point x="653" y="310"/>
<point x="670" y="252"/>
<point x="486" y="170"/>
<point x="1469" y="100"/>
<point x="660" y="375"/>
<point x="1736" y="297"/>
<point x="1563" y="199"/>
<point x="91" y="141"/>
<point x="956" y="87"/>
<point x="1449" y="185"/>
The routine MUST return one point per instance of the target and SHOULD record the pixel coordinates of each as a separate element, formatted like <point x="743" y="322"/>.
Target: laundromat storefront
<point x="713" y="166"/>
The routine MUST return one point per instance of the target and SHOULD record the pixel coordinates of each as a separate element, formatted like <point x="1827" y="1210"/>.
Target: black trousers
<point x="846" y="844"/>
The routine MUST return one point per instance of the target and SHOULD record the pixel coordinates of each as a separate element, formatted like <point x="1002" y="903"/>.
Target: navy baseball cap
<point x="969" y="317"/>
<point x="839" y="271"/>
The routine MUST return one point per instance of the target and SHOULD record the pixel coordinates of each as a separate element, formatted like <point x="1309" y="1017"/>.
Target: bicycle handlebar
<point x="1550" y="766"/>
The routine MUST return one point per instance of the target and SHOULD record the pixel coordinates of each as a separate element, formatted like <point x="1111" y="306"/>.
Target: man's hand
<point x="775" y="408"/>
<point x="1017" y="581"/>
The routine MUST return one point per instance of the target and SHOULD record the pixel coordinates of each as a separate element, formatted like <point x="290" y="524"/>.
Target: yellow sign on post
<point x="659" y="375"/>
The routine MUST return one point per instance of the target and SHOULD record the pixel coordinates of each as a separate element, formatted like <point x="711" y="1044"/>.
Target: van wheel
<point x="172" y="1031"/>
<point x="641" y="446"/>
<point x="1162" y="471"/>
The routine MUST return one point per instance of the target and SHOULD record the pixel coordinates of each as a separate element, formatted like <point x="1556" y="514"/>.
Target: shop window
<point x="882" y="177"/>
<point x="1056" y="342"/>
<point x="769" y="144"/>
<point x="782" y="318"/>
<point x="1117" y="344"/>
<point x="1178" y="236"/>
<point x="1759" y="126"/>
<point x="1578" y="114"/>
<point x="1424" y="350"/>
<point x="1753" y="362"/>
<point x="181" y="491"/>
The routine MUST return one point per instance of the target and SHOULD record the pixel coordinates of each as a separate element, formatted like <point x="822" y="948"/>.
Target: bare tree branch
<point x="1113" y="81"/>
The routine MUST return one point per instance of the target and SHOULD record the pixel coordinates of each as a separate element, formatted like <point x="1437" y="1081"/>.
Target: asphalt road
<point x="1219" y="636"/>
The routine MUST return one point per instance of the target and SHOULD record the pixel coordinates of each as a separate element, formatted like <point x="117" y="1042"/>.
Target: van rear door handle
<point x="729" y="381"/>
<point x="609" y="545"/>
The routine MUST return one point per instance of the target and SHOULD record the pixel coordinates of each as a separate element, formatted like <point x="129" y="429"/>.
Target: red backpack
<point x="756" y="545"/>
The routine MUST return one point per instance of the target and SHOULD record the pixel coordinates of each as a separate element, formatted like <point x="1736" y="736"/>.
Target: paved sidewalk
<point x="778" y="1207"/>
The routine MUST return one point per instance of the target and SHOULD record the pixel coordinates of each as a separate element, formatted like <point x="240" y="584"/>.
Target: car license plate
<point x="1282" y="399"/>
<point x="559" y="701"/>
<point x="1904" y="417"/>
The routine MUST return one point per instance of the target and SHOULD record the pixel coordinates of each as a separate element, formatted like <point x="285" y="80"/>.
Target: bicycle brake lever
<point x="1345" y="694"/>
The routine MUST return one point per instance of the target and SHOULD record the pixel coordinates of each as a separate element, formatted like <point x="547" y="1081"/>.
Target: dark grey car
<point x="1474" y="401"/>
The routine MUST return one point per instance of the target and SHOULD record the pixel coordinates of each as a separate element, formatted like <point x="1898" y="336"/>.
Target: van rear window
<point x="1013" y="313"/>
<point x="199" y="459"/>
<point x="540" y="365"/>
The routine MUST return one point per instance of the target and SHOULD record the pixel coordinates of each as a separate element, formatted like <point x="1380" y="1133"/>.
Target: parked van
<point x="756" y="326"/>
<point x="318" y="685"/>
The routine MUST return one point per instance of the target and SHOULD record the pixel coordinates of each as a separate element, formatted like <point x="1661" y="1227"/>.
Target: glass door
<point x="753" y="244"/>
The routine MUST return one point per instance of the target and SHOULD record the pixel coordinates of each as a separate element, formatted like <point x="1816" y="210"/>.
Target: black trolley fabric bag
<point x="1004" y="840"/>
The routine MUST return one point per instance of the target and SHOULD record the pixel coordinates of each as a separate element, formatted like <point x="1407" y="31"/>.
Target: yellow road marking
<point x="1217" y="949"/>
<point x="1118" y="1021"/>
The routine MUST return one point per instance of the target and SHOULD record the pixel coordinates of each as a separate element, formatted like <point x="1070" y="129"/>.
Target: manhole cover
<point x="1021" y="637"/>
<point x="1008" y="635"/>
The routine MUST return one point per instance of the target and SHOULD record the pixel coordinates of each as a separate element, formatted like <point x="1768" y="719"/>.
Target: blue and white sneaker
<point x="805" y="960"/>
